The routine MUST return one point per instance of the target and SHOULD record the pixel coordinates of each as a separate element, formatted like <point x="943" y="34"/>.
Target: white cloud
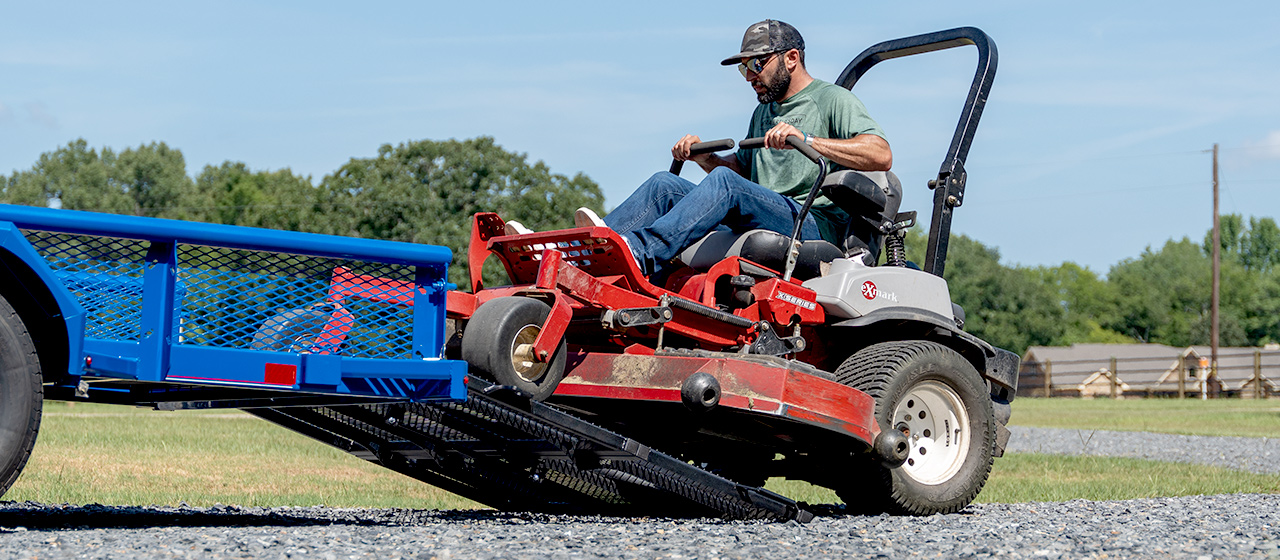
<point x="1266" y="149"/>
<point x="40" y="114"/>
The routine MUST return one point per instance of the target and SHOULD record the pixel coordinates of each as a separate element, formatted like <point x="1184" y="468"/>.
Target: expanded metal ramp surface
<point x="504" y="451"/>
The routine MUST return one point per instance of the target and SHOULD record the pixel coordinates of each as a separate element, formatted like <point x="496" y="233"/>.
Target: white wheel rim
<point x="522" y="354"/>
<point x="937" y="427"/>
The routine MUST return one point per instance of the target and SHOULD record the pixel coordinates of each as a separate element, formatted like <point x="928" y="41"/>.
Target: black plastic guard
<point x="507" y="452"/>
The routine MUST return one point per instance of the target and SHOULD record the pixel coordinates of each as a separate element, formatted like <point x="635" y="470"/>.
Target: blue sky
<point x="1092" y="147"/>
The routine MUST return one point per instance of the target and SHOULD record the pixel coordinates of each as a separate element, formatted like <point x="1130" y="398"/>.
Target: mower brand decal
<point x="870" y="291"/>
<point x="796" y="300"/>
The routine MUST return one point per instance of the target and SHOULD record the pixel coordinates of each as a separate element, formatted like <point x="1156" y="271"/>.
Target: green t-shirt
<point x="823" y="110"/>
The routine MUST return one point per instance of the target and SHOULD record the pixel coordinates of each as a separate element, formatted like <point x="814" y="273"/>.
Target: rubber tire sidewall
<point x="895" y="368"/>
<point x="486" y="343"/>
<point x="21" y="395"/>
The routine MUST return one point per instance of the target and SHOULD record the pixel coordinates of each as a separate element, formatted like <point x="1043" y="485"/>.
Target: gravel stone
<point x="1257" y="455"/>
<point x="1208" y="527"/>
<point x="1219" y="527"/>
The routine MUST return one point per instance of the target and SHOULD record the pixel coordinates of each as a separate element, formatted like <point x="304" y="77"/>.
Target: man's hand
<point x="707" y="161"/>
<point x="776" y="138"/>
<point x="681" y="150"/>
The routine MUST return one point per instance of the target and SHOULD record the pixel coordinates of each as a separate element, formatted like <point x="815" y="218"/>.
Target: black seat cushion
<point x="761" y="246"/>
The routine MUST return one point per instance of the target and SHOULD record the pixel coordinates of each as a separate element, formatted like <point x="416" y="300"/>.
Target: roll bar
<point x="948" y="188"/>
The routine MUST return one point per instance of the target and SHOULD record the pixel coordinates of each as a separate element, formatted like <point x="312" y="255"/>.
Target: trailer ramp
<point x="505" y="451"/>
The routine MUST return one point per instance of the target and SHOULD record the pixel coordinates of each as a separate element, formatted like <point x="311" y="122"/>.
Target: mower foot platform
<point x="505" y="451"/>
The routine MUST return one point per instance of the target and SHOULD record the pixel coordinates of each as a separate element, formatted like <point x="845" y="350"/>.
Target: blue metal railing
<point x="185" y="302"/>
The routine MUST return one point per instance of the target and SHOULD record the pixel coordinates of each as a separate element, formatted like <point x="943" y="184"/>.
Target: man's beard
<point x="775" y="88"/>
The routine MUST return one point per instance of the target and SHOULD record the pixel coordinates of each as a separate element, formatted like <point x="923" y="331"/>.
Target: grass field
<point x="120" y="455"/>
<point x="1217" y="417"/>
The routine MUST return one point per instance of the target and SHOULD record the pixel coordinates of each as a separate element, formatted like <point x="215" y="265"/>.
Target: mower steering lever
<point x="701" y="148"/>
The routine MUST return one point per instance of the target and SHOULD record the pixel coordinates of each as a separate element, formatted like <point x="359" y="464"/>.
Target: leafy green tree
<point x="266" y="199"/>
<point x="150" y="180"/>
<point x="426" y="191"/>
<point x="155" y="177"/>
<point x="74" y="176"/>
<point x="1086" y="300"/>
<point x="1161" y="295"/>
<point x="1255" y="246"/>
<point x="1008" y="307"/>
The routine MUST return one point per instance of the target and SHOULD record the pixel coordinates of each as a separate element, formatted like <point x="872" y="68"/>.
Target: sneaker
<point x="516" y="228"/>
<point x="585" y="217"/>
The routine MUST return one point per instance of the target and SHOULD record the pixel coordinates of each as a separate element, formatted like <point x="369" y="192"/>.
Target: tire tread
<point x="873" y="370"/>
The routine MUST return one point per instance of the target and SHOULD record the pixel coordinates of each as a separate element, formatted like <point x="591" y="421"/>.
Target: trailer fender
<point x="54" y="318"/>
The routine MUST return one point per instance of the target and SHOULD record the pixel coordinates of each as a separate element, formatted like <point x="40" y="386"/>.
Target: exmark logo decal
<point x="796" y="300"/>
<point x="870" y="291"/>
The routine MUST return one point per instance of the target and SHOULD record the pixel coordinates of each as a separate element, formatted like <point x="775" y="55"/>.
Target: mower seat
<point x="870" y="199"/>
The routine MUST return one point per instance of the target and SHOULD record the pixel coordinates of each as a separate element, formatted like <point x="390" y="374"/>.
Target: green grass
<point x="1217" y="417"/>
<point x="123" y="455"/>
<point x="1052" y="478"/>
<point x="120" y="455"/>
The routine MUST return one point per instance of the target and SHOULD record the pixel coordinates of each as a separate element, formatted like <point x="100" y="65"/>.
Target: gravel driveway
<point x="1232" y="526"/>
<point x="1228" y="526"/>
<point x="1258" y="455"/>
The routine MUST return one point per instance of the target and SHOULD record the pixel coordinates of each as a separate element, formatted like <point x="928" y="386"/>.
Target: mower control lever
<point x="793" y="251"/>
<point x="702" y="148"/>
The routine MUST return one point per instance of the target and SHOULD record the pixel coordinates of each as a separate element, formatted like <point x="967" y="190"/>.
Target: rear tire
<point x="940" y="402"/>
<point x="497" y="334"/>
<point x="21" y="395"/>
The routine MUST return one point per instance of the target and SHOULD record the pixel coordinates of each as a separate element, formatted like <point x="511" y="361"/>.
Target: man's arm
<point x="864" y="152"/>
<point x="706" y="161"/>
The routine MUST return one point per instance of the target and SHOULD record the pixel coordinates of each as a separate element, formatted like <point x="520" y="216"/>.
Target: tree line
<point x="426" y="191"/>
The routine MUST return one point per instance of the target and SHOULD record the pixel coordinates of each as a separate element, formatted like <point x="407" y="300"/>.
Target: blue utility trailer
<point x="339" y="339"/>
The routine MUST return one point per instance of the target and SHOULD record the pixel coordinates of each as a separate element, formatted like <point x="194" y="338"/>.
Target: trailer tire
<point x="492" y="338"/>
<point x="21" y="395"/>
<point x="940" y="402"/>
<point x="295" y="330"/>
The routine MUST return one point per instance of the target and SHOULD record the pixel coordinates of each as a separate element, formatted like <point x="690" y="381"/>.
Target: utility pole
<point x="1217" y="264"/>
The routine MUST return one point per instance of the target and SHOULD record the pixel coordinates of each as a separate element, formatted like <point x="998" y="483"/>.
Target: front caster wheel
<point x="939" y="402"/>
<point x="498" y="344"/>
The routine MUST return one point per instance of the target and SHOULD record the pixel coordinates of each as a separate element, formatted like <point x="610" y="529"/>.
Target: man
<point x="762" y="188"/>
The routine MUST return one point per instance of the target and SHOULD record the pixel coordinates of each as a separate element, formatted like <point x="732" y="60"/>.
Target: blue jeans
<point x="667" y="214"/>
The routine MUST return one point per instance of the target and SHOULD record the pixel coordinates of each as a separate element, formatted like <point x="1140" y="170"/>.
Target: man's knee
<point x="722" y="175"/>
<point x="663" y="183"/>
<point x="722" y="181"/>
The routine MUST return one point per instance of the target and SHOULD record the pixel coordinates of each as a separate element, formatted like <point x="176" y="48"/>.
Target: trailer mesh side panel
<point x="224" y="297"/>
<point x="105" y="276"/>
<point x="228" y="294"/>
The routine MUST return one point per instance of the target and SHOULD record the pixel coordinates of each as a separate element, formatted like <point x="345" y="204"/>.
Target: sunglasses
<point x="755" y="65"/>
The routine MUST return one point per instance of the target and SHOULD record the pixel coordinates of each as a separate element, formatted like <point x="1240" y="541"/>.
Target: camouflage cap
<point x="768" y="36"/>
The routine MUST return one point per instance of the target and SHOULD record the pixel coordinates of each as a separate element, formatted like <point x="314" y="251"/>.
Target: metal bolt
<point x="953" y="201"/>
<point x="543" y="355"/>
<point x="392" y="421"/>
